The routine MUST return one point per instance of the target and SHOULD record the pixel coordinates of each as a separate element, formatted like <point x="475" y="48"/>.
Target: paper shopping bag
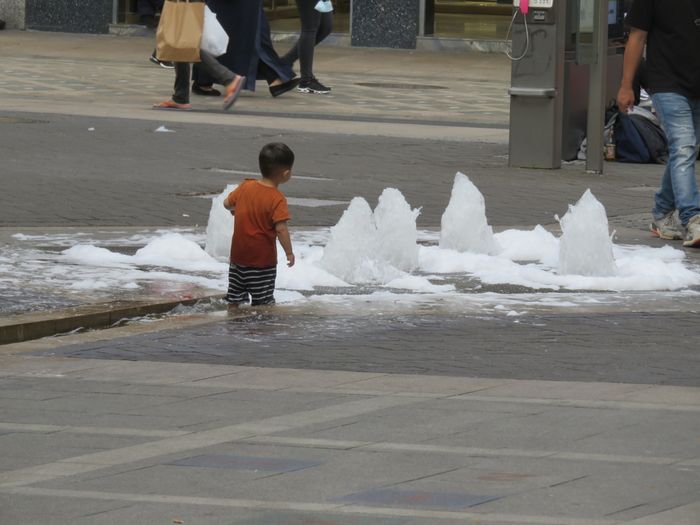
<point x="180" y="31"/>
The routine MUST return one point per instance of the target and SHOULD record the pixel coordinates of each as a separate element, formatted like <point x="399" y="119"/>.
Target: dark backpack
<point x="654" y="137"/>
<point x="629" y="145"/>
<point x="639" y="140"/>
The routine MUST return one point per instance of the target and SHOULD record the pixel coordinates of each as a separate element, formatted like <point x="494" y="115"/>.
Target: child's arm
<point x="283" y="235"/>
<point x="229" y="206"/>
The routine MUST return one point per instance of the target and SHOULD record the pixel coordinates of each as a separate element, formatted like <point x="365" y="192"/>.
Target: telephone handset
<point x="523" y="7"/>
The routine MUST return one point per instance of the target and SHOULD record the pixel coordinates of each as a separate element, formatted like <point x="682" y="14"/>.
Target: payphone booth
<point x="555" y="54"/>
<point x="537" y="81"/>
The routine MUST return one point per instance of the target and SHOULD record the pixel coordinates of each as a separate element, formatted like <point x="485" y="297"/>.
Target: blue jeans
<point x="680" y="119"/>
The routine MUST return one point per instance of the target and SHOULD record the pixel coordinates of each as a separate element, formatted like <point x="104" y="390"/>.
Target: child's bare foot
<point x="233" y="308"/>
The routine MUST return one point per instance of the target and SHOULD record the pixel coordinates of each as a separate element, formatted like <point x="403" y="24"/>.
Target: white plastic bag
<point x="214" y="37"/>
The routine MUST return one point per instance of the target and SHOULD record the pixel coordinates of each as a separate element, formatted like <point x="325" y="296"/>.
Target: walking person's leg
<point x="275" y="84"/>
<point x="315" y="26"/>
<point x="202" y="84"/>
<point x="325" y="28"/>
<point x="680" y="119"/>
<point x="232" y="82"/>
<point x="181" y="92"/>
<point x="277" y="73"/>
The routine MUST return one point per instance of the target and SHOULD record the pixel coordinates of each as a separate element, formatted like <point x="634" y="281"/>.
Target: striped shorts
<point x="258" y="282"/>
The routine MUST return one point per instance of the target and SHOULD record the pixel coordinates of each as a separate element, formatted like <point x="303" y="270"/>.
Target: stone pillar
<point x="12" y="12"/>
<point x="70" y="16"/>
<point x="385" y="23"/>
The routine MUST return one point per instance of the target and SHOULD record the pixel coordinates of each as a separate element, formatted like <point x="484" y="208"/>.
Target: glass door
<point x="126" y="12"/>
<point x="480" y="20"/>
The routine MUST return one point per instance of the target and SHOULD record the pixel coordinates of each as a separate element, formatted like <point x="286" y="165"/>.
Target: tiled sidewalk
<point x="93" y="442"/>
<point x="469" y="89"/>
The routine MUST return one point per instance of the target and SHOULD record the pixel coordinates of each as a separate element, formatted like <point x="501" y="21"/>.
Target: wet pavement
<point x="607" y="346"/>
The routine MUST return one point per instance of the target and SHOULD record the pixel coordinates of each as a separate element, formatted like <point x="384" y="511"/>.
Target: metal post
<point x="596" y="90"/>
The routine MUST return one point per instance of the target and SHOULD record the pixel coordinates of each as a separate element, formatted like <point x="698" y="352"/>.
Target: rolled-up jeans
<point x="680" y="119"/>
<point x="212" y="67"/>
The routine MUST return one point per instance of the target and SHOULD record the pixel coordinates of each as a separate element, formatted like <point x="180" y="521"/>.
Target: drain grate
<point x="388" y="85"/>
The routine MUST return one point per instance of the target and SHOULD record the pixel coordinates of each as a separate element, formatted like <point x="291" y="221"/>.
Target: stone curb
<point x="25" y="327"/>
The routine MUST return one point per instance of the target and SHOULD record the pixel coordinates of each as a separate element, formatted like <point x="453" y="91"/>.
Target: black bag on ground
<point x="639" y="139"/>
<point x="654" y="137"/>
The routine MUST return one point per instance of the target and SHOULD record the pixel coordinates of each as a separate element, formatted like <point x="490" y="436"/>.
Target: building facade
<point x="365" y="23"/>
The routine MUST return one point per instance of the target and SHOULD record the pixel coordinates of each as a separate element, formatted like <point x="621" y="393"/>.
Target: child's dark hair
<point x="275" y="156"/>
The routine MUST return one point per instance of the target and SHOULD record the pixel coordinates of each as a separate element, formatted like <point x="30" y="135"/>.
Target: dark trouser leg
<point x="199" y="77"/>
<point x="209" y="65"/>
<point x="215" y="69"/>
<point x="310" y="21"/>
<point x="315" y="27"/>
<point x="182" y="83"/>
<point x="325" y="28"/>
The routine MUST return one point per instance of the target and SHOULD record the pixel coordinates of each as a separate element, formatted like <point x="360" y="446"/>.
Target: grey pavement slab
<point x="415" y="498"/>
<point x="28" y="449"/>
<point x="255" y="463"/>
<point x="537" y="478"/>
<point x="57" y="511"/>
<point x="284" y="518"/>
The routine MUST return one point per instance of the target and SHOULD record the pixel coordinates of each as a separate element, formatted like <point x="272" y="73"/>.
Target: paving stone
<point x="31" y="448"/>
<point x="244" y="463"/>
<point x="284" y="518"/>
<point x="412" y="498"/>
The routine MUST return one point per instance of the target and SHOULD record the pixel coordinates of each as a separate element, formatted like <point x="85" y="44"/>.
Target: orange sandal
<point x="170" y="104"/>
<point x="233" y="90"/>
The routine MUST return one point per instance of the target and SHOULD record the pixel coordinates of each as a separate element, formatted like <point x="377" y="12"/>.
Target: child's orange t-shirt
<point x="257" y="209"/>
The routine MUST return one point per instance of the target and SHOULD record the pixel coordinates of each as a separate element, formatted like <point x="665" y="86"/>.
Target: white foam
<point x="535" y="245"/>
<point x="585" y="246"/>
<point x="373" y="247"/>
<point x="417" y="283"/>
<point x="306" y="272"/>
<point x="365" y="247"/>
<point x="175" y="251"/>
<point x="397" y="236"/>
<point x="352" y="252"/>
<point x="464" y="227"/>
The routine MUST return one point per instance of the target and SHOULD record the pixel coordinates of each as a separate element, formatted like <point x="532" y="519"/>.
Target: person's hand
<point x="625" y="99"/>
<point x="290" y="260"/>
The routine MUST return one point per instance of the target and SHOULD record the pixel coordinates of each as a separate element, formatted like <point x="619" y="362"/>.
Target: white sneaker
<point x="692" y="235"/>
<point x="668" y="227"/>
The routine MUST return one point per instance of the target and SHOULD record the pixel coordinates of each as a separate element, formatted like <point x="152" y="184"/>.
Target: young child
<point x="261" y="218"/>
